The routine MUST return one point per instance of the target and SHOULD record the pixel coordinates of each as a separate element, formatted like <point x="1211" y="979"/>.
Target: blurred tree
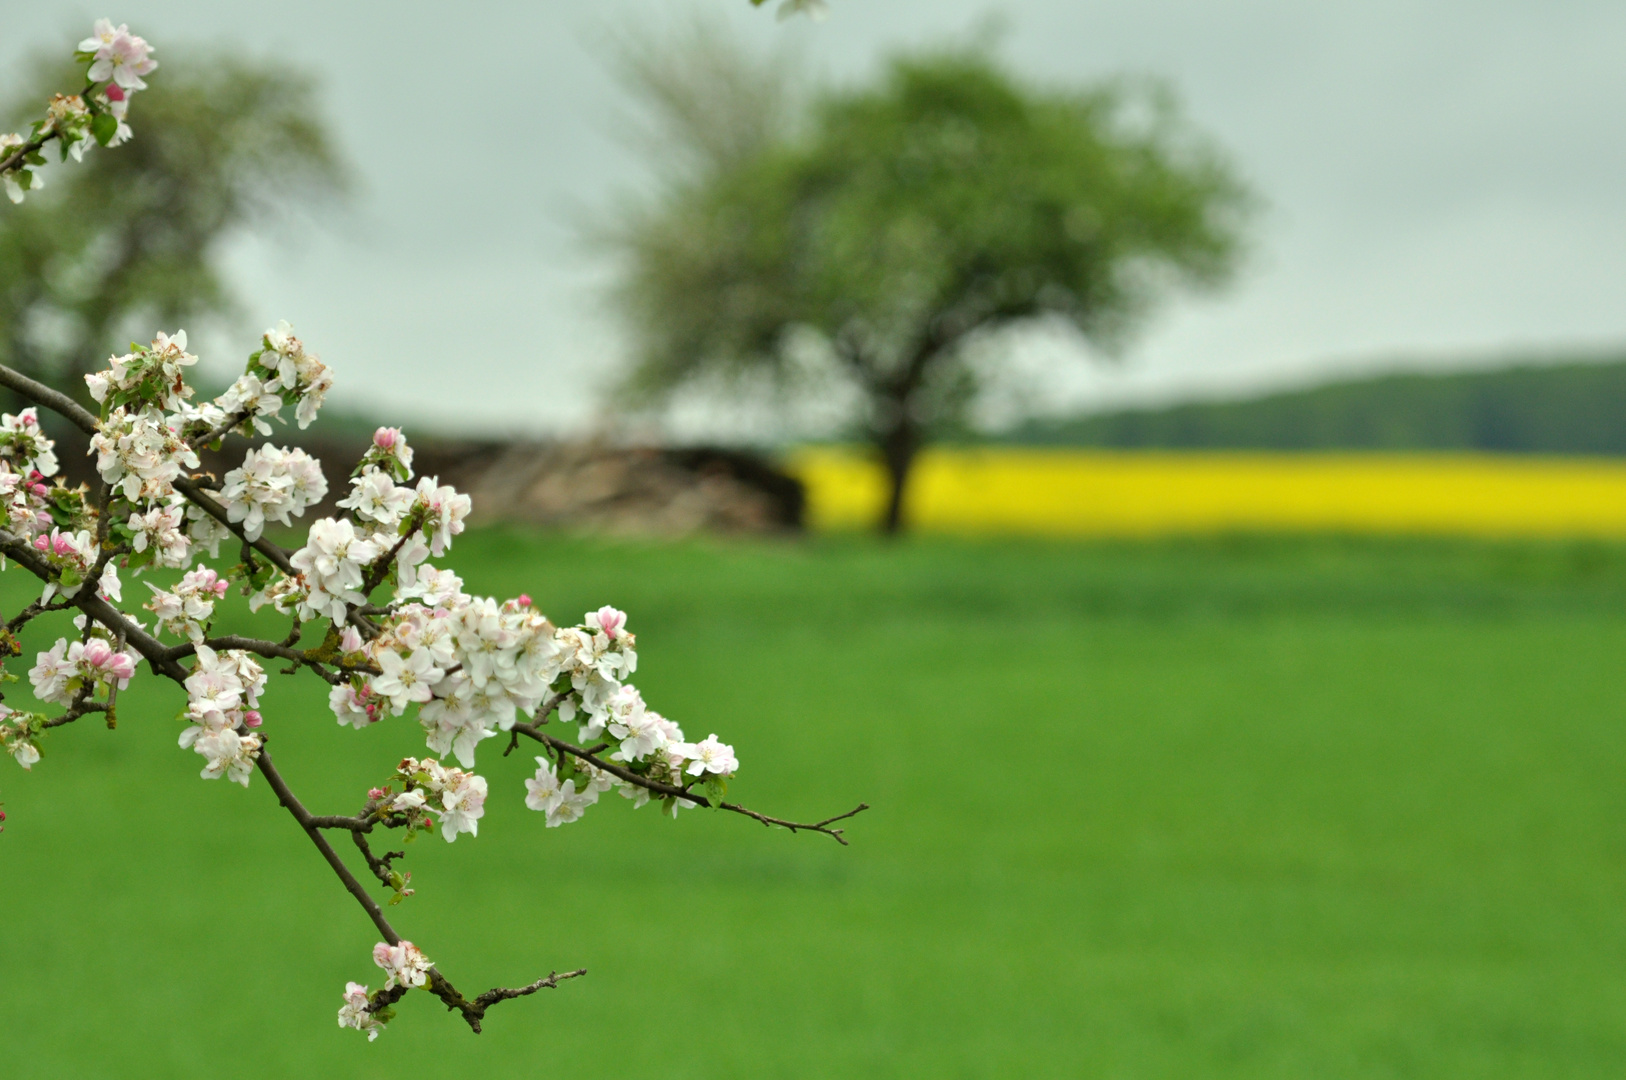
<point x="882" y="230"/>
<point x="130" y="235"/>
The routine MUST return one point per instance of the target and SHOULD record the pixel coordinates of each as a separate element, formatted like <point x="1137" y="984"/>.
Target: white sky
<point x="1442" y="178"/>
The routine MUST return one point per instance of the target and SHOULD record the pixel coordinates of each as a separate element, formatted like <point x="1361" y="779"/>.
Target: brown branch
<point x="86" y="600"/>
<point x="225" y="427"/>
<point x="194" y="492"/>
<point x="472" y="1011"/>
<point x="79" y="708"/>
<point x="15" y="160"/>
<point x="54" y="400"/>
<point x="275" y="650"/>
<point x="668" y="791"/>
<point x="379" y="865"/>
<point x="381" y="565"/>
<point x="491" y="997"/>
<point x="34" y="610"/>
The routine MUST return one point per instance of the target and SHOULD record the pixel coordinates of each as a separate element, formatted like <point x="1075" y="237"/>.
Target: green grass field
<point x="1244" y="808"/>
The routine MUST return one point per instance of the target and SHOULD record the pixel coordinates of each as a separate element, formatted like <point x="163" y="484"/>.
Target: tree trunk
<point x="898" y="445"/>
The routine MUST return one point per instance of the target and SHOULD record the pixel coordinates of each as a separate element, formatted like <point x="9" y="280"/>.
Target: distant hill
<point x="1549" y="409"/>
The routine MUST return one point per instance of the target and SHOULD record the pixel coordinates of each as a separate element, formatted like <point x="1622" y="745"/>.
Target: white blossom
<point x="162" y="530"/>
<point x="375" y="496"/>
<point x="457" y="720"/>
<point x="463" y="803"/>
<point x="353" y="1013"/>
<point x="355" y="707"/>
<point x="294" y="373"/>
<point x="333" y="563"/>
<point x="404" y="680"/>
<point x="71" y="554"/>
<point x="108" y="585"/>
<point x="118" y="55"/>
<point x="445" y="511"/>
<point x="156" y="369"/>
<point x="562" y="801"/>
<point x="139" y="453"/>
<point x="204" y="530"/>
<point x="403" y="964"/>
<point x="390" y="443"/>
<point x="187" y="609"/>
<point x="271" y="484"/>
<point x="62" y="672"/>
<point x="709" y="756"/>
<point x="24" y="443"/>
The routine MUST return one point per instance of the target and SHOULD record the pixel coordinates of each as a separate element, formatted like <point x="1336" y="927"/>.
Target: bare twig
<point x="472" y="1012"/>
<point x="79" y="708"/>
<point x="668" y="791"/>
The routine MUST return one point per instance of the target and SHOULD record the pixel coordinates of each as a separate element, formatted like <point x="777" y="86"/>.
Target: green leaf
<point x="104" y="127"/>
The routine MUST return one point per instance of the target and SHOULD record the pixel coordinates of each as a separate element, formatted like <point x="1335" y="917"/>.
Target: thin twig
<point x="668" y="791"/>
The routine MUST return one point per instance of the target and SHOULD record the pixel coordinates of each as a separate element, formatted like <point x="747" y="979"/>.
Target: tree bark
<point x="898" y="446"/>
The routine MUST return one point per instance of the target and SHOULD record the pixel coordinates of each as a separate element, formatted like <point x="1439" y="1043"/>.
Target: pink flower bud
<point x="385" y="438"/>
<point x="524" y="599"/>
<point x="114" y="92"/>
<point x="376" y="793"/>
<point x="252" y="719"/>
<point x="43" y="543"/>
<point x="611" y="620"/>
<point x="98" y="653"/>
<point x="350" y="641"/>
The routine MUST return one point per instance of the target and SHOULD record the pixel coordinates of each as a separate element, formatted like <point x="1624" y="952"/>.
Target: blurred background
<point x="1167" y="458"/>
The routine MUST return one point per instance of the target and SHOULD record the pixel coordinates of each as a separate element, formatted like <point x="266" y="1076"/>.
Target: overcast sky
<point x="1443" y="179"/>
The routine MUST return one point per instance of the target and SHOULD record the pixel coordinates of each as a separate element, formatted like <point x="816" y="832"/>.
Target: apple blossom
<point x="161" y="530"/>
<point x="354" y="1012"/>
<point x="186" y="610"/>
<point x="272" y="484"/>
<point x="405" y="680"/>
<point x="153" y="375"/>
<point x="463" y="801"/>
<point x="124" y="58"/>
<point x="24" y="445"/>
<point x="709" y="756"/>
<point x="140" y="454"/>
<point x="403" y="964"/>
<point x="332" y="562"/>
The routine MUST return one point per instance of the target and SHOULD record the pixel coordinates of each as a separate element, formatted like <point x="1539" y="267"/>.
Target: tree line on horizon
<point x="1529" y="408"/>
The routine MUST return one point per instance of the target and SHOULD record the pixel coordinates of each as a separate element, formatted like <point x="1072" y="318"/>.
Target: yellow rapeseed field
<point x="1061" y="492"/>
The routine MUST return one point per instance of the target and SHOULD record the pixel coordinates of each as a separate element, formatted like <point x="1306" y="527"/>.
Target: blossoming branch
<point x="370" y="611"/>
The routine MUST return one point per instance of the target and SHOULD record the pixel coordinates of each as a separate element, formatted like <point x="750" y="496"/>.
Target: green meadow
<point x="1226" y="808"/>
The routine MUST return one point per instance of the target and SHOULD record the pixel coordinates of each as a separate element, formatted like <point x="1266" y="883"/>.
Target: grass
<point x="1224" y="808"/>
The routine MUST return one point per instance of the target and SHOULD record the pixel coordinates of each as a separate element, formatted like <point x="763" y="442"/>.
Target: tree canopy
<point x="903" y="220"/>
